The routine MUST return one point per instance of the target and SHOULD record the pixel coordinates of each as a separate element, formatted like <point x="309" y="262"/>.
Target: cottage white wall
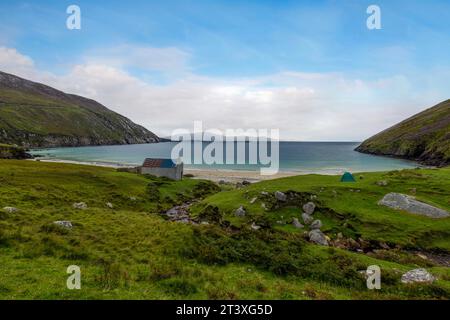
<point x="172" y="173"/>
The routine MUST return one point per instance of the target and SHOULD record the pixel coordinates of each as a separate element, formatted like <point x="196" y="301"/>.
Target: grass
<point x="35" y="119"/>
<point x="424" y="136"/>
<point x="132" y="252"/>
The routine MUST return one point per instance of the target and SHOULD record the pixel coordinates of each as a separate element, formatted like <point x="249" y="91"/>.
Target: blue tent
<point x="347" y="177"/>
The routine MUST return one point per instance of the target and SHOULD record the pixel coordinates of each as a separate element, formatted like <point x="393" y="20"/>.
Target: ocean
<point x="301" y="157"/>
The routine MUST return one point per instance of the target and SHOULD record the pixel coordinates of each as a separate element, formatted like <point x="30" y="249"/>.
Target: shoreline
<point x="216" y="175"/>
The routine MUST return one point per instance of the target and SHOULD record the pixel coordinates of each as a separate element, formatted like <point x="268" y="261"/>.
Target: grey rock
<point x="110" y="205"/>
<point x="316" y="236"/>
<point x="264" y="193"/>
<point x="64" y="224"/>
<point x="418" y="276"/>
<point x="133" y="198"/>
<point x="382" y="183"/>
<point x="253" y="200"/>
<point x="280" y="196"/>
<point x="10" y="209"/>
<point x="255" y="227"/>
<point x="240" y="212"/>
<point x="317" y="224"/>
<point x="297" y="223"/>
<point x="307" y="218"/>
<point x="410" y="204"/>
<point x="80" y="205"/>
<point x="309" y="208"/>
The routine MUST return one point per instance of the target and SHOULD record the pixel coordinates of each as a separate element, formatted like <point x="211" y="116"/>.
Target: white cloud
<point x="12" y="61"/>
<point x="304" y="106"/>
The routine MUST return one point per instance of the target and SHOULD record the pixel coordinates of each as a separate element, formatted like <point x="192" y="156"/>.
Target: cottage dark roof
<point x="159" y="163"/>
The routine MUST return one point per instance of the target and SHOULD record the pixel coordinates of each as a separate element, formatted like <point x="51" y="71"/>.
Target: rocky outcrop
<point x="13" y="152"/>
<point x="418" y="276"/>
<point x="407" y="203"/>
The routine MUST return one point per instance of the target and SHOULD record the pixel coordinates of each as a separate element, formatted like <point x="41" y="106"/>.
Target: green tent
<point x="347" y="177"/>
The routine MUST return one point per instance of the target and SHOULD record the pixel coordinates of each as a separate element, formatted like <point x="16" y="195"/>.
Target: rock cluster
<point x="64" y="224"/>
<point x="418" y="276"/>
<point x="10" y="209"/>
<point x="179" y="213"/>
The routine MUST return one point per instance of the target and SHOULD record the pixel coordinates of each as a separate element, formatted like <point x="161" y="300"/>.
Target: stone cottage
<point x="162" y="168"/>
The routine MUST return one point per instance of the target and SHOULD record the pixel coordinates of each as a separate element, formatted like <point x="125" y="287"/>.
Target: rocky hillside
<point x="36" y="115"/>
<point x="13" y="152"/>
<point x="424" y="137"/>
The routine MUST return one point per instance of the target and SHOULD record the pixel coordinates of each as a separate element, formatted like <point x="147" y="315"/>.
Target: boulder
<point x="307" y="218"/>
<point x="418" y="276"/>
<point x="316" y="236"/>
<point x="280" y="196"/>
<point x="80" y="205"/>
<point x="255" y="227"/>
<point x="10" y="209"/>
<point x="240" y="212"/>
<point x="410" y="204"/>
<point x="317" y="224"/>
<point x="297" y="223"/>
<point x="309" y="208"/>
<point x="64" y="224"/>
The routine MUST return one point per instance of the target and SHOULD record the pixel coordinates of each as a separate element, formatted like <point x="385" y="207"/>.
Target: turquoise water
<point x="310" y="157"/>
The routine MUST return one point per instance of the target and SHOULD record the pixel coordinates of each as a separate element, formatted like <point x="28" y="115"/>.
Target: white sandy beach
<point x="207" y="174"/>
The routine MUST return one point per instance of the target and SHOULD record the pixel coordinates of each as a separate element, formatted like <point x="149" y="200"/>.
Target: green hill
<point x="129" y="250"/>
<point x="35" y="115"/>
<point x="424" y="137"/>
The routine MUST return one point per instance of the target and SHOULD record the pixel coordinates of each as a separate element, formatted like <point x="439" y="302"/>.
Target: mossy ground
<point x="132" y="252"/>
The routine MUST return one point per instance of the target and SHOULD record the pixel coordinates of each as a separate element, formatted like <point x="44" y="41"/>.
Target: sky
<point x="311" y="69"/>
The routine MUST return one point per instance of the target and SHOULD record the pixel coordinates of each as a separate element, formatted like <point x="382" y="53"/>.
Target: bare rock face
<point x="418" y="276"/>
<point x="309" y="208"/>
<point x="410" y="204"/>
<point x="316" y="236"/>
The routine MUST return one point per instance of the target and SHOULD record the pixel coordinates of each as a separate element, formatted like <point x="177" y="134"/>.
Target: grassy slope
<point x="425" y="136"/>
<point x="359" y="209"/>
<point x="30" y="118"/>
<point x="131" y="252"/>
